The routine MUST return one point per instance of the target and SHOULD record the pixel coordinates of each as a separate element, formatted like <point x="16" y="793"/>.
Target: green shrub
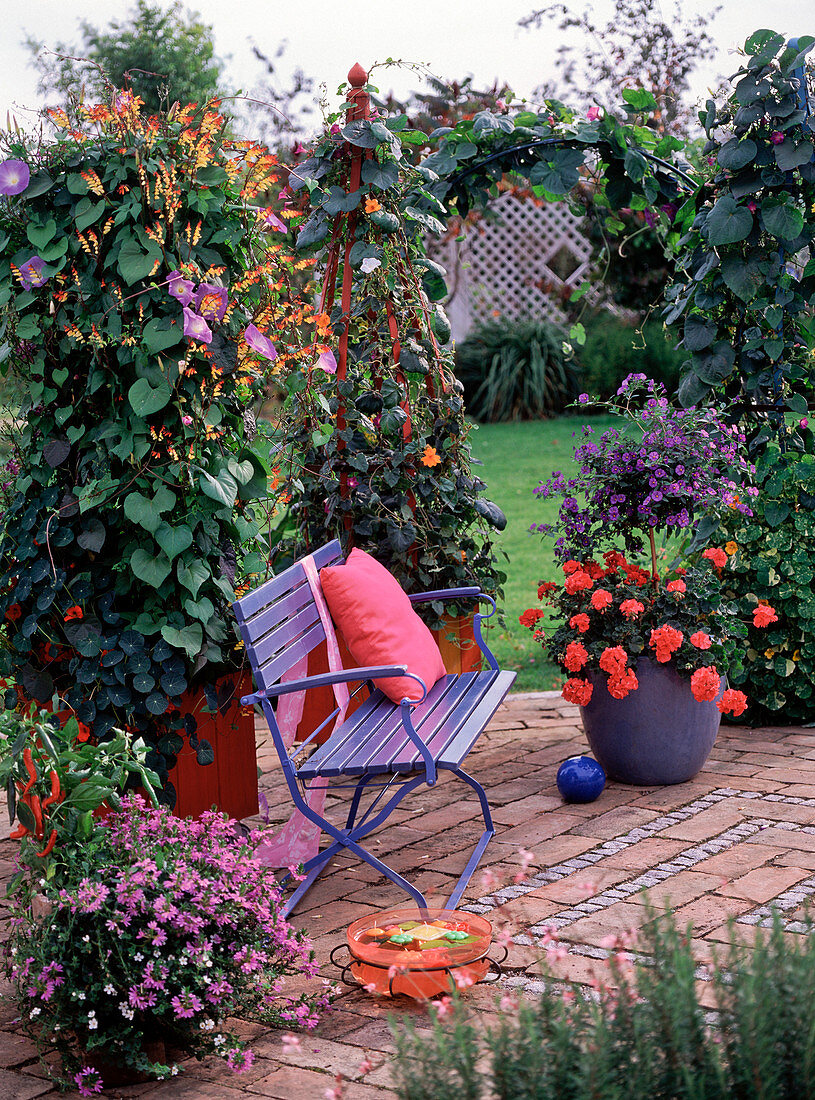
<point x="616" y="348"/>
<point x="643" y="1036"/>
<point x="774" y="563"/>
<point x="515" y="370"/>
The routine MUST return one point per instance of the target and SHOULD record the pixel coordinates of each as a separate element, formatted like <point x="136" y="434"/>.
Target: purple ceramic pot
<point x="658" y="734"/>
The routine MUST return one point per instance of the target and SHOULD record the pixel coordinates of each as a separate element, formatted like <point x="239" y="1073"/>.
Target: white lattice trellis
<point x="514" y="263"/>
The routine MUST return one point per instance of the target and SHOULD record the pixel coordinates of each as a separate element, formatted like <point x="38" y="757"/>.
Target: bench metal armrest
<point x="325" y="679"/>
<point x="446" y="594"/>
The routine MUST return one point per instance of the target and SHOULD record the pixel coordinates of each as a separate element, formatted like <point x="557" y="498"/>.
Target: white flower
<point x="219" y="1040"/>
<point x="35" y="1012"/>
<point x="109" y="989"/>
<point x="174" y="1071"/>
<point x="79" y="996"/>
<point x="369" y="264"/>
<point x="86" y="939"/>
<point x="138" y="956"/>
<point x="93" y="1023"/>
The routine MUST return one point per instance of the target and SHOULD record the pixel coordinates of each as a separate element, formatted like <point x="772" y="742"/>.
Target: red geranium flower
<point x="613" y="660"/>
<point x="700" y="640"/>
<point x="600" y="599"/>
<point x="718" y="557"/>
<point x="543" y="589"/>
<point x="579" y="622"/>
<point x="732" y="701"/>
<point x="577" y="582"/>
<point x="763" y="615"/>
<point x="677" y="586"/>
<point x="576" y="656"/>
<point x="571" y="566"/>
<point x="632" y="608"/>
<point x="620" y="686"/>
<point x="705" y="684"/>
<point x="530" y="617"/>
<point x="577" y="691"/>
<point x="665" y="640"/>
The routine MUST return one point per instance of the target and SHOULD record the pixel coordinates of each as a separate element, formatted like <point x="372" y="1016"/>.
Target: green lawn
<point x="516" y="458"/>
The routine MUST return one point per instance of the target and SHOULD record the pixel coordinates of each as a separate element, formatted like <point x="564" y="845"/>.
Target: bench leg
<point x="486" y="837"/>
<point x="347" y="838"/>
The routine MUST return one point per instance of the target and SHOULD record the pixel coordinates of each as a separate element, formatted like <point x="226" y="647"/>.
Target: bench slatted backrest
<point x="279" y="621"/>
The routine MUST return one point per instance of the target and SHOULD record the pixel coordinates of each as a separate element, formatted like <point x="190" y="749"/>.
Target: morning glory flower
<point x="180" y="288"/>
<point x="14" y="177"/>
<point x="369" y="264"/>
<point x="260" y="343"/>
<point x="196" y="327"/>
<point x="271" y="221"/>
<point x="211" y="301"/>
<point x="31" y="273"/>
<point x="327" y="362"/>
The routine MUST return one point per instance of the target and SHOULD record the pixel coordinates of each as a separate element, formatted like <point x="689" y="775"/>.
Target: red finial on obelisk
<point x="357" y="77"/>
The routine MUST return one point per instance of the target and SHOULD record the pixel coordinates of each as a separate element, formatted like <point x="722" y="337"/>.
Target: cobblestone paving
<point x="729" y="845"/>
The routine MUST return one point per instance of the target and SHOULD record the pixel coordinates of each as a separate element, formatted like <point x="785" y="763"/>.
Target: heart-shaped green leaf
<point x="142" y="511"/>
<point x="224" y="488"/>
<point x="173" y="540"/>
<point x="60" y="374"/>
<point x="188" y="638"/>
<point x="192" y="575"/>
<point x="41" y="235"/>
<point x="728" y="222"/>
<point x="135" y="263"/>
<point x="153" y="571"/>
<point x="146" y="399"/>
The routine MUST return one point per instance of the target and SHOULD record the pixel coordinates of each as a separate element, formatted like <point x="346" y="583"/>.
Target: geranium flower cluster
<point x="162" y="927"/>
<point x="615" y="613"/>
<point x="662" y="470"/>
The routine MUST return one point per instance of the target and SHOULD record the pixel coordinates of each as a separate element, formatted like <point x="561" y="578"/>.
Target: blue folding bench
<point x="383" y="748"/>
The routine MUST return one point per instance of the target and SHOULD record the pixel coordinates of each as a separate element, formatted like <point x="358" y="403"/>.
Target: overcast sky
<point x="326" y="37"/>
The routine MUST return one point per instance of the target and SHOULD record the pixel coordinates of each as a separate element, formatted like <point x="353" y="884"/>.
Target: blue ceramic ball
<point x="580" y="779"/>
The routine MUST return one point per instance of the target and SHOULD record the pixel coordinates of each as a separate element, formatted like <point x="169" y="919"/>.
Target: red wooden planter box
<point x="230" y="783"/>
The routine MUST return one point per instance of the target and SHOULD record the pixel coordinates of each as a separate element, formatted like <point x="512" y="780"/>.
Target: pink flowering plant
<point x="160" y="927"/>
<point x="665" y="470"/>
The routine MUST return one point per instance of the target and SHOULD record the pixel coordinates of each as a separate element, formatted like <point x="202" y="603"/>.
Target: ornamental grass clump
<point x="663" y="471"/>
<point x="160" y="928"/>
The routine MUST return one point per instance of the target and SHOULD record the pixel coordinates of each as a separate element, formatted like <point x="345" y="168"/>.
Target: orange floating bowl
<point x="419" y="953"/>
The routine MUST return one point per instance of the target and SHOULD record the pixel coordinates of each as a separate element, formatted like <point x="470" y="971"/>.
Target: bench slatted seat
<point x="383" y="748"/>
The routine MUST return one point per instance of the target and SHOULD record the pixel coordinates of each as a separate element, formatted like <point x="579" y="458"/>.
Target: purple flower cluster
<point x="662" y="470"/>
<point x="173" y="925"/>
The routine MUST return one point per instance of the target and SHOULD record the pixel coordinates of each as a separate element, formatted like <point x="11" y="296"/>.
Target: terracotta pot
<point x="659" y="734"/>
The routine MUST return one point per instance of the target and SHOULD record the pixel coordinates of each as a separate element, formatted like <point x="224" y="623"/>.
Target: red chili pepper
<point x="55" y="790"/>
<point x="28" y="760"/>
<point x="49" y="846"/>
<point x="34" y="803"/>
<point x="18" y="833"/>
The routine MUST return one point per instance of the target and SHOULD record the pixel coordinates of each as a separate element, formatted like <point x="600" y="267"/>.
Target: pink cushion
<point x="379" y="624"/>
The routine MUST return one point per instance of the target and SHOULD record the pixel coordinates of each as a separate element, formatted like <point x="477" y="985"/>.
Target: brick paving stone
<point x="738" y="860"/>
<point x="710" y="911"/>
<point x="291" y="1083"/>
<point x="535" y="832"/>
<point x="15" y="1049"/>
<point x="13" y="1086"/>
<point x="708" y="823"/>
<point x="783" y="838"/>
<point x="679" y="889"/>
<point x="764" y="883"/>
<point x="616" y="821"/>
<point x="645" y="854"/>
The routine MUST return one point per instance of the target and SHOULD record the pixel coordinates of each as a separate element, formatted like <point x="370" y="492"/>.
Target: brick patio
<point x="738" y="838"/>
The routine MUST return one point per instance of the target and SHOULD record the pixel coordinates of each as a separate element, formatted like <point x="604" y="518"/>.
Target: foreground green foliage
<point x="615" y="348"/>
<point x="644" y="1035"/>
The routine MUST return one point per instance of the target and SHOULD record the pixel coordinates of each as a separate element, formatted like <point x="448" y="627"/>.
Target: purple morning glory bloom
<point x="260" y="343"/>
<point x="211" y="301"/>
<point x="14" y="177"/>
<point x="180" y="288"/>
<point x="31" y="273"/>
<point x="271" y="221"/>
<point x="196" y="327"/>
<point x="327" y="362"/>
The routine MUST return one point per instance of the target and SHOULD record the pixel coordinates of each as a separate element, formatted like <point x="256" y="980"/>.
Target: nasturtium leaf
<point x="135" y="263"/>
<point x="193" y="575"/>
<point x="204" y="754"/>
<point x="173" y="540"/>
<point x="188" y="638"/>
<point x="735" y="154"/>
<point x="156" y="703"/>
<point x="146" y="399"/>
<point x="152" y="570"/>
<point x="728" y="222"/>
